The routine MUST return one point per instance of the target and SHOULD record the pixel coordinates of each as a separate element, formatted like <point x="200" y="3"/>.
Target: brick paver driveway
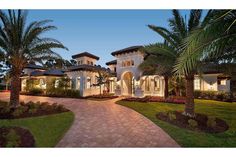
<point x="106" y="124"/>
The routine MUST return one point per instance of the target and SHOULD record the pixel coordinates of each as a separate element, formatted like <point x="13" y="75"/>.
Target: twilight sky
<point x="103" y="31"/>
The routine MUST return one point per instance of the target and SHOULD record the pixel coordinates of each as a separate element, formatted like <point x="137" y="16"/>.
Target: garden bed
<point x="172" y="99"/>
<point x="53" y="93"/>
<point x="16" y="137"/>
<point x="29" y="109"/>
<point x="200" y="122"/>
<point x="101" y="97"/>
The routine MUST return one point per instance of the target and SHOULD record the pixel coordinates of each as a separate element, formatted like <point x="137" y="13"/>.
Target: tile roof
<point x="125" y="50"/>
<point x="33" y="66"/>
<point x="111" y="62"/>
<point x="87" y="54"/>
<point x="86" y="68"/>
<point x="52" y="72"/>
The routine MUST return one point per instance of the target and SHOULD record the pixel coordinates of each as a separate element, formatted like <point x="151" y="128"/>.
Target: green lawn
<point x="47" y="130"/>
<point x="187" y="138"/>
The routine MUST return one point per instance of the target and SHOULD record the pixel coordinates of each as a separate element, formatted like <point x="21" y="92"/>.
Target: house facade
<point x="125" y="77"/>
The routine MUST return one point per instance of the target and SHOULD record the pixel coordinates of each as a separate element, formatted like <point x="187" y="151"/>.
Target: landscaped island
<point x="192" y="138"/>
<point x="33" y="124"/>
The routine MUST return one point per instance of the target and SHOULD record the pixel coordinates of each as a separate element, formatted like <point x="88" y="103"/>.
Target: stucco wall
<point x="85" y="59"/>
<point x="208" y="82"/>
<point x="82" y="85"/>
<point x="137" y="57"/>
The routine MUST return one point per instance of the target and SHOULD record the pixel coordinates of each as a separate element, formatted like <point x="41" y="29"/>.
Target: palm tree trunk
<point x="189" y="104"/>
<point x="177" y="91"/>
<point x="15" y="89"/>
<point x="166" y="90"/>
<point x="6" y="86"/>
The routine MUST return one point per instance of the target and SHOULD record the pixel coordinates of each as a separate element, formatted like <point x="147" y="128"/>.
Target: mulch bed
<point x="182" y="121"/>
<point x="26" y="138"/>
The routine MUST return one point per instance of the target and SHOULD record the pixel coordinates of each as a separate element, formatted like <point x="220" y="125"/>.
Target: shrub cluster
<point x="172" y="99"/>
<point x="102" y="96"/>
<point x="29" y="109"/>
<point x="213" y="95"/>
<point x="68" y="93"/>
<point x="199" y="122"/>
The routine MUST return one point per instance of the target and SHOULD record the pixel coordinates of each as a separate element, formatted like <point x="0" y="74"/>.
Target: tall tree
<point x="214" y="41"/>
<point x="21" y="44"/>
<point x="179" y="30"/>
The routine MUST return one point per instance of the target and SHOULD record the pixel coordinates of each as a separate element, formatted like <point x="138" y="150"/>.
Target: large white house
<point x="126" y="78"/>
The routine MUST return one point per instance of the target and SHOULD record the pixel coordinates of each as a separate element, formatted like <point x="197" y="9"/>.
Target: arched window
<point x="128" y="63"/>
<point x="132" y="63"/>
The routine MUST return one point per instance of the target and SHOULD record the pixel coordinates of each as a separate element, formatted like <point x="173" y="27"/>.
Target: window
<point x="128" y="63"/>
<point x="88" y="82"/>
<point x="78" y="83"/>
<point x="91" y="63"/>
<point x="123" y="64"/>
<point x="197" y="84"/>
<point x="147" y="84"/>
<point x="56" y="83"/>
<point x="132" y="62"/>
<point x="156" y="84"/>
<point x="221" y="81"/>
<point x="42" y="83"/>
<point x="78" y="62"/>
<point x="114" y="69"/>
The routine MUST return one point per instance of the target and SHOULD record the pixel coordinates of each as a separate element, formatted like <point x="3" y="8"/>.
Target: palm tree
<point x="179" y="30"/>
<point x="214" y="41"/>
<point x="159" y="60"/>
<point x="21" y="44"/>
<point x="102" y="79"/>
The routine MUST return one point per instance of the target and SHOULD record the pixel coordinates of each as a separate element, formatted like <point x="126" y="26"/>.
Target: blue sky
<point x="103" y="31"/>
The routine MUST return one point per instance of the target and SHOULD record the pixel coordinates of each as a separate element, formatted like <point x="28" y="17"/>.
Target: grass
<point x="47" y="130"/>
<point x="187" y="138"/>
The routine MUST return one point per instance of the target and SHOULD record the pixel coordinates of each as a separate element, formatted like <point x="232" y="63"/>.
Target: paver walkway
<point x="106" y="124"/>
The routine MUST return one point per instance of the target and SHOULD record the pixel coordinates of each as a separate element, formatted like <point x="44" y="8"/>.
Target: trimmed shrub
<point x="213" y="95"/>
<point x="19" y="111"/>
<point x="192" y="123"/>
<point x="172" y="116"/>
<point x="35" y="91"/>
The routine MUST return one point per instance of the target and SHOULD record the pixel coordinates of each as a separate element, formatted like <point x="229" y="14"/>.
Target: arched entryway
<point x="127" y="83"/>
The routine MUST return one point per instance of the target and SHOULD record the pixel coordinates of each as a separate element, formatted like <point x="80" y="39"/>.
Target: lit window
<point x="221" y="82"/>
<point x="156" y="84"/>
<point x="197" y="84"/>
<point x="128" y="63"/>
<point x="56" y="83"/>
<point x="123" y="64"/>
<point x="78" y="82"/>
<point x="88" y="82"/>
<point x="147" y="84"/>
